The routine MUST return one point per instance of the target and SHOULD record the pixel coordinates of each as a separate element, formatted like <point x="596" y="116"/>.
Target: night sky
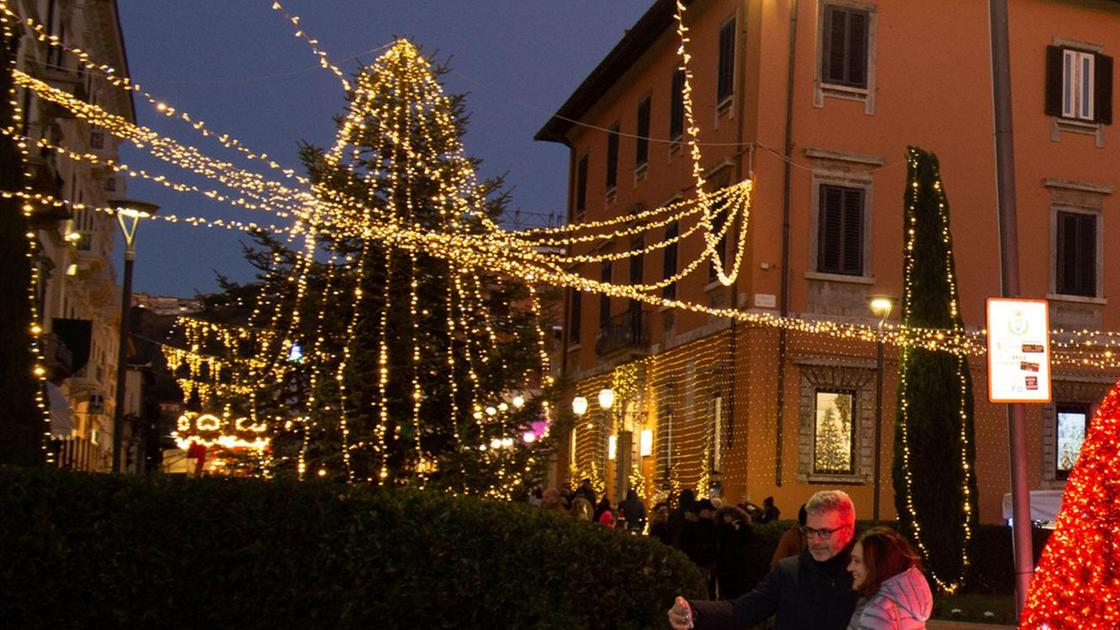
<point x="236" y="65"/>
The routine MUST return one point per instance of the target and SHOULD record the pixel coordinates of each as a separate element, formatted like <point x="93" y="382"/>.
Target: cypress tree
<point x="21" y="422"/>
<point x="935" y="487"/>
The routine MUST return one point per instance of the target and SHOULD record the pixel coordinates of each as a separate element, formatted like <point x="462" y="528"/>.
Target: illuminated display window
<point x="833" y="433"/>
<point x="1071" y="422"/>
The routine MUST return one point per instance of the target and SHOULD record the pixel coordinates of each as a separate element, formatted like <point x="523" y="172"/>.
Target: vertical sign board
<point x="1018" y="351"/>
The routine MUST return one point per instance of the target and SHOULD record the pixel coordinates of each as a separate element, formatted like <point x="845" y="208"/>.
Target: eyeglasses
<point x="823" y="532"/>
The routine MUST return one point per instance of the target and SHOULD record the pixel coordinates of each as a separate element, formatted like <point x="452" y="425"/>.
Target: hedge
<point x="80" y="550"/>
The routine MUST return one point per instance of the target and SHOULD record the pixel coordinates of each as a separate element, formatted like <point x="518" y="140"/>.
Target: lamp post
<point x="129" y="213"/>
<point x="881" y="307"/>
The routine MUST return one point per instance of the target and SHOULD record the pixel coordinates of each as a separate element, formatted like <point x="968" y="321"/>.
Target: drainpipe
<point x="783" y="335"/>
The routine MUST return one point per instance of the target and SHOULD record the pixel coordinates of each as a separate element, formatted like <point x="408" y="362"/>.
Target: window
<point x="641" y="152"/>
<point x="1078" y="85"/>
<point x="725" y="82"/>
<point x="833" y="432"/>
<point x="1071" y="422"/>
<point x="669" y="267"/>
<point x="637" y="260"/>
<point x="846" y="36"/>
<point x="581" y="186"/>
<point x="604" y="299"/>
<point x="612" y="157"/>
<point x="1076" y="254"/>
<point x="575" y="301"/>
<point x="676" y="106"/>
<point x="840" y="230"/>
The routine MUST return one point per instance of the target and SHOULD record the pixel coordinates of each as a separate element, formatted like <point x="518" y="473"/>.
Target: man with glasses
<point x="812" y="590"/>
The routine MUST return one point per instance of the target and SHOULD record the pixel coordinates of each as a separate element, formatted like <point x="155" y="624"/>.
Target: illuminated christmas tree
<point x="376" y="362"/>
<point x="934" y="453"/>
<point x="1077" y="582"/>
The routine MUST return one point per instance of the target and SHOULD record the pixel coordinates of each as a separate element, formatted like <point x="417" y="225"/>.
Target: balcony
<point x="624" y="332"/>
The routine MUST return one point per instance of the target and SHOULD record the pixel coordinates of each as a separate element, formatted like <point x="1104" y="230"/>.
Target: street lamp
<point x="881" y="307"/>
<point x="128" y="213"/>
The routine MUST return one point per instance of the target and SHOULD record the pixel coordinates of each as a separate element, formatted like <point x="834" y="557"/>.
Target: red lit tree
<point x="1077" y="582"/>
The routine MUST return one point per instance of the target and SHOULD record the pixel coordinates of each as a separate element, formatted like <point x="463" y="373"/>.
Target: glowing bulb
<point x="518" y="402"/>
<point x="579" y="405"/>
<point x="606" y="398"/>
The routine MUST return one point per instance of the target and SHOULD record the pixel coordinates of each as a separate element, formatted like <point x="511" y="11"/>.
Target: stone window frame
<point x="852" y="171"/>
<point x="1083" y="198"/>
<point x="821" y="88"/>
<point x="836" y="373"/>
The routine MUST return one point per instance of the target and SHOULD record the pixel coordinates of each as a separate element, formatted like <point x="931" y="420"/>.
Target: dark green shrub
<point x="98" y="551"/>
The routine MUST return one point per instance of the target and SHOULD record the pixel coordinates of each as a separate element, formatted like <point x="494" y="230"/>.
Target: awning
<point x="1044" y="505"/>
<point x="62" y="417"/>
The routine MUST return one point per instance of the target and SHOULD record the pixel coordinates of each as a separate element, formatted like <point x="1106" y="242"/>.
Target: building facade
<point x="78" y="298"/>
<point x="816" y="101"/>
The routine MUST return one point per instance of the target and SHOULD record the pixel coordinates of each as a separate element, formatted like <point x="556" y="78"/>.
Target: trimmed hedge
<point x="81" y="550"/>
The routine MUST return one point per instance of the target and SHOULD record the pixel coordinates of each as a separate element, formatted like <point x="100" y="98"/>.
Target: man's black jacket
<point x="805" y="594"/>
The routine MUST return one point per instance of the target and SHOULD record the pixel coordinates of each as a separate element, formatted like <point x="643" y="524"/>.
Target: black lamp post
<point x="128" y="213"/>
<point x="881" y="307"/>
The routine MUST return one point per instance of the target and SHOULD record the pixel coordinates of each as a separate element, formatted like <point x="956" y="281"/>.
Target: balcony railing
<point x="624" y="331"/>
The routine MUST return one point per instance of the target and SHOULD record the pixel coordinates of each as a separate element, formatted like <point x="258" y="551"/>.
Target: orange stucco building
<point x="817" y="101"/>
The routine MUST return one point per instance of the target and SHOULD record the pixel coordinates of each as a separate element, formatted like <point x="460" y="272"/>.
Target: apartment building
<point x="78" y="297"/>
<point x="817" y="101"/>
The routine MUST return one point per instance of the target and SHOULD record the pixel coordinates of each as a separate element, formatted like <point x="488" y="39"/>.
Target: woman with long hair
<point x="888" y="574"/>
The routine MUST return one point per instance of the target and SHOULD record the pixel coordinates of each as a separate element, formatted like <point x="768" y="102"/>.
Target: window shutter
<point x="828" y="233"/>
<point x="834" y="45"/>
<point x="1053" y="81"/>
<point x="574" y="318"/>
<point x="676" y="99"/>
<point x="857" y="48"/>
<point x="581" y="185"/>
<point x="612" y="156"/>
<point x="1087" y="255"/>
<point x="853" y="232"/>
<point x="1103" y="89"/>
<point x="669" y="261"/>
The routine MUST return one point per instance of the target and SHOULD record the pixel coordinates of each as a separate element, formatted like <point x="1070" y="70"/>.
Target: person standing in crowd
<point x="604" y="506"/>
<point x="734" y="573"/>
<point x="887" y="572"/>
<point x="790" y="544"/>
<point x="551" y="500"/>
<point x="812" y="591"/>
<point x="698" y="540"/>
<point x="634" y="512"/>
<point x="659" y="523"/>
<point x="582" y="509"/>
<point x="770" y="512"/>
<point x="586" y="491"/>
<point x="679" y="516"/>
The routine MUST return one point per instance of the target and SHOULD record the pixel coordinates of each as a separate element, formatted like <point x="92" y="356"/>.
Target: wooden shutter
<point x="835" y="26"/>
<point x="840" y="231"/>
<point x="612" y="156"/>
<point x="676" y="100"/>
<point x="1053" y="81"/>
<point x="726" y="77"/>
<point x="853" y="232"/>
<point x="1077" y="254"/>
<point x="641" y="150"/>
<point x="857" y="49"/>
<point x="669" y="262"/>
<point x="1102" y="86"/>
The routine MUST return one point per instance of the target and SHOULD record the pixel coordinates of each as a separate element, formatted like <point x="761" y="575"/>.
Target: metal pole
<point x="878" y="423"/>
<point x="122" y="357"/>
<point x="1009" y="260"/>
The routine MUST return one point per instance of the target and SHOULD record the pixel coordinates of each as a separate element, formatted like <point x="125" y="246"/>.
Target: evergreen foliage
<point x="934" y="426"/>
<point x="21" y="422"/>
<point x="90" y="551"/>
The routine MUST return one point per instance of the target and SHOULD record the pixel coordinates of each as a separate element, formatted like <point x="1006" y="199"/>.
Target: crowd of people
<point x="822" y="574"/>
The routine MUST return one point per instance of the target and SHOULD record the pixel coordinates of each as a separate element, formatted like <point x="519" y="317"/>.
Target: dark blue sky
<point x="236" y="65"/>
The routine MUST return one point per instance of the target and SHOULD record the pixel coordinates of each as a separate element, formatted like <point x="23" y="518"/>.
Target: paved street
<point x="940" y="624"/>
